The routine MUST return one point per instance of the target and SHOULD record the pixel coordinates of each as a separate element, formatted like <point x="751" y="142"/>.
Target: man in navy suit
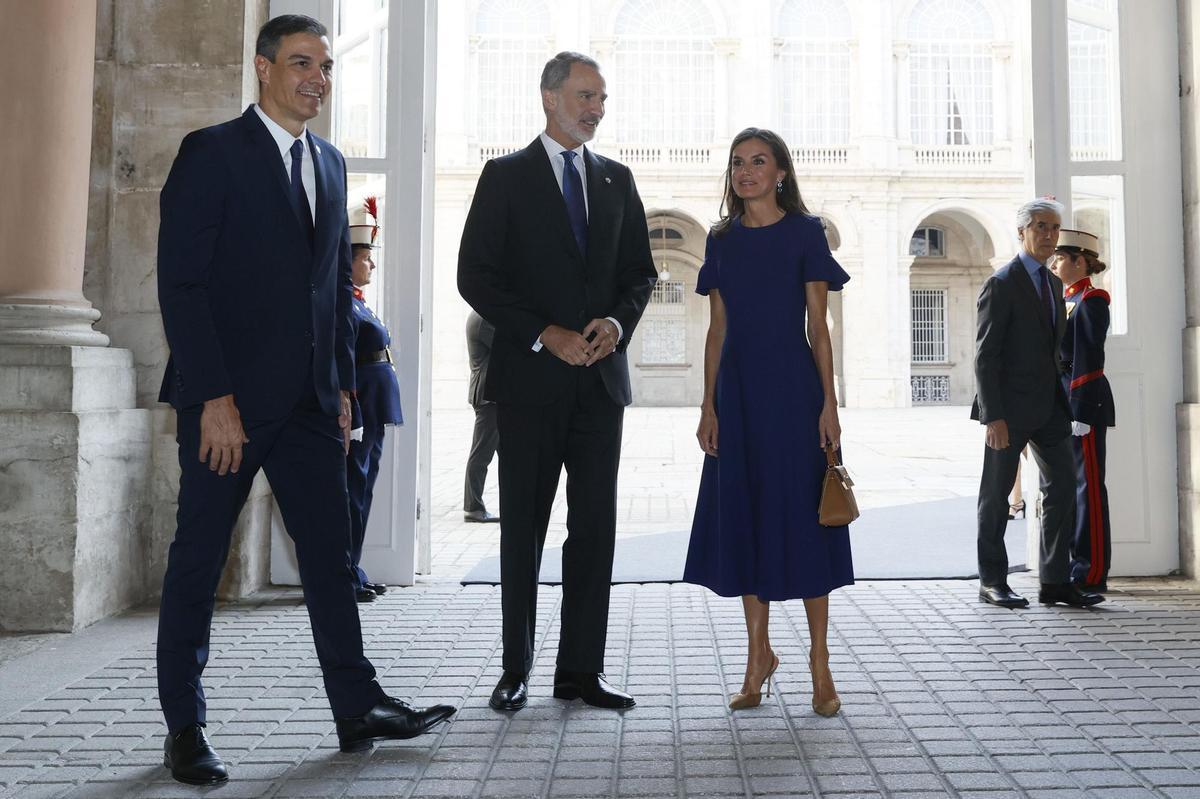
<point x="255" y="291"/>
<point x="1021" y="320"/>
<point x="555" y="255"/>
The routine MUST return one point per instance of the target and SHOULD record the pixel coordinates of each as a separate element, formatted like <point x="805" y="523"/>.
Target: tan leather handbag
<point x="838" y="506"/>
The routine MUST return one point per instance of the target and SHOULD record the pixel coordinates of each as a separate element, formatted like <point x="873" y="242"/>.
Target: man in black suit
<point x="1021" y="400"/>
<point x="485" y="436"/>
<point x="255" y="291"/>
<point x="555" y="255"/>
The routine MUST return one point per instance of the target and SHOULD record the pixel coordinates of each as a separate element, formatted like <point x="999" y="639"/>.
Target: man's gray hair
<point x="555" y="73"/>
<point x="1041" y="205"/>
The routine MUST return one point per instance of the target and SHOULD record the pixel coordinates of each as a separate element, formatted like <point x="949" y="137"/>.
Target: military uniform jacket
<point x="378" y="390"/>
<point x="1087" y="388"/>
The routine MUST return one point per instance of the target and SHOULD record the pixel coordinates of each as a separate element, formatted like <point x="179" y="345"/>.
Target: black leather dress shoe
<point x="1067" y="594"/>
<point x="364" y="595"/>
<point x="511" y="693"/>
<point x="480" y="517"/>
<point x="391" y="719"/>
<point x="592" y="688"/>
<point x="378" y="588"/>
<point x="192" y="759"/>
<point x="1003" y="596"/>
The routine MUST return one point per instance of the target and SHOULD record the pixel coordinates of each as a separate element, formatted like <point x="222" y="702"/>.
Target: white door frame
<point x="398" y="533"/>
<point x="1143" y="363"/>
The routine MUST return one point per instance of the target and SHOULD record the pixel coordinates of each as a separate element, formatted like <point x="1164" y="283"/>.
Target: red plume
<point x="372" y="208"/>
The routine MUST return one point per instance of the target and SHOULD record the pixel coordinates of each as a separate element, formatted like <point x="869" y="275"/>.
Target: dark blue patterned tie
<point x="299" y="196"/>
<point x="1047" y="295"/>
<point x="573" y="194"/>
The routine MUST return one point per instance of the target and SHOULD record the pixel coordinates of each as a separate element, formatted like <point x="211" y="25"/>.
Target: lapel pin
<point x="607" y="179"/>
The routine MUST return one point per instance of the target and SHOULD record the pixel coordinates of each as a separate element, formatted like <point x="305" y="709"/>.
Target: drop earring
<point x="779" y="187"/>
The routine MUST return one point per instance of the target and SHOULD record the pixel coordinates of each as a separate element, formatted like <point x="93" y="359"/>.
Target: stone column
<point x="44" y="158"/>
<point x="74" y="464"/>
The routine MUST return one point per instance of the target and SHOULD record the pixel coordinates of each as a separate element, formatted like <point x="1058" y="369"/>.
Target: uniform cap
<point x="364" y="222"/>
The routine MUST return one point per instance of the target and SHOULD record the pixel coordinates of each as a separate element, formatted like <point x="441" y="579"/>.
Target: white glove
<point x="1080" y="428"/>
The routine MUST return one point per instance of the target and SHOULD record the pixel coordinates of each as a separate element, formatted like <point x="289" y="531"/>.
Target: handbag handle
<point x="830" y="459"/>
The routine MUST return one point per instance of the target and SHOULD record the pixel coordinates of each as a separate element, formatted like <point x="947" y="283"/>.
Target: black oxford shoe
<point x="192" y="759"/>
<point x="511" y="692"/>
<point x="480" y="517"/>
<point x="592" y="688"/>
<point x="378" y="588"/>
<point x="1067" y="594"/>
<point x="390" y="719"/>
<point x="1002" y="596"/>
<point x="362" y="595"/>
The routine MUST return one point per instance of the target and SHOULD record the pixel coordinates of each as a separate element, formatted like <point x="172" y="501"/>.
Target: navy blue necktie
<point x="299" y="196"/>
<point x="573" y="194"/>
<point x="1047" y="295"/>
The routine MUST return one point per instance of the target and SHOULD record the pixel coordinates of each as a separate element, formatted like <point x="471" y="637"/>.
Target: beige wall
<point x="163" y="68"/>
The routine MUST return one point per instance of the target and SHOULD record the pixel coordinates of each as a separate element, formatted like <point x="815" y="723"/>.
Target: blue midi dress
<point x="755" y="530"/>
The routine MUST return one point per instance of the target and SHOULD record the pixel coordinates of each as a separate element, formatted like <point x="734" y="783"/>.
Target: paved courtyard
<point x="943" y="696"/>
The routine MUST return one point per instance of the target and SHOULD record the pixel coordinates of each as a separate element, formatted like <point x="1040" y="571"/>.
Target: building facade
<point x="905" y="120"/>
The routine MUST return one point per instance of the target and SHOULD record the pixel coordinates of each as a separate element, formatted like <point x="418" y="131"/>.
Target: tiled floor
<point x="943" y="696"/>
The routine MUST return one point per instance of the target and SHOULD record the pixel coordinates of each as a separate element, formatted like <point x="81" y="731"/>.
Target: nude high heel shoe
<point x="829" y="707"/>
<point x="743" y="700"/>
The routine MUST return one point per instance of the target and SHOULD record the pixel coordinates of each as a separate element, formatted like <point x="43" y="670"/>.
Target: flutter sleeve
<point x="710" y="270"/>
<point x="817" y="261"/>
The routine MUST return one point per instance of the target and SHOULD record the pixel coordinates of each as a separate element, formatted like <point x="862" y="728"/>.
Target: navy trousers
<point x="1052" y="453"/>
<point x="580" y="431"/>
<point x="1091" y="552"/>
<point x="304" y="462"/>
<point x="362" y="467"/>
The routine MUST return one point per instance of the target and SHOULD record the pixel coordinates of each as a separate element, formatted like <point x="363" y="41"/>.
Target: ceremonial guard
<point x="1092" y="411"/>
<point x="377" y="392"/>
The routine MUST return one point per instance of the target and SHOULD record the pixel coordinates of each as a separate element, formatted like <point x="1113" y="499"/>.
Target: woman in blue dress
<point x="769" y="401"/>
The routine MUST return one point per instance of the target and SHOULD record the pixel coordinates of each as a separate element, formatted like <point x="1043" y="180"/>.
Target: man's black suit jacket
<point x="1017" y="362"/>
<point x="249" y="302"/>
<point x="520" y="267"/>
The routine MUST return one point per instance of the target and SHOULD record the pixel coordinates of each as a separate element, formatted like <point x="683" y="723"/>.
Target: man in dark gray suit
<point x="486" y="436"/>
<point x="1020" y="398"/>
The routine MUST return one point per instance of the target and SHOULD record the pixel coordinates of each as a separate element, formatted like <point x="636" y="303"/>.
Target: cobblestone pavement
<point x="943" y="696"/>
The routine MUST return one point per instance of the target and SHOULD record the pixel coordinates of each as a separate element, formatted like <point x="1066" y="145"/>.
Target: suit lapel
<point x="547" y="194"/>
<point x="1031" y="294"/>
<point x="266" y="158"/>
<point x="601" y="206"/>
<point x="321" y="226"/>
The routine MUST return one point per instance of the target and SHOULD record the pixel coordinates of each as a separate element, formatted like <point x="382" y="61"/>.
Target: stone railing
<point x="819" y="156"/>
<point x="953" y="155"/>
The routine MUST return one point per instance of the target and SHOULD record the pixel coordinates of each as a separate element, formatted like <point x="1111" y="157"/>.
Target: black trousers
<point x="1051" y="446"/>
<point x="1091" y="553"/>
<point x="304" y="462"/>
<point x="484" y="440"/>
<point x="362" y="468"/>
<point x="580" y="431"/>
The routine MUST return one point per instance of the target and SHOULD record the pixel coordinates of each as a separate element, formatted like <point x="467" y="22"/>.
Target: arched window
<point x="664" y="65"/>
<point x="927" y="242"/>
<point x="513" y="44"/>
<point x="813" y="68"/>
<point x="950" y="73"/>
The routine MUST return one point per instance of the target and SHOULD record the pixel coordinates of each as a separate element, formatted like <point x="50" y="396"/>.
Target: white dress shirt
<point x="285" y="140"/>
<point x="554" y="152"/>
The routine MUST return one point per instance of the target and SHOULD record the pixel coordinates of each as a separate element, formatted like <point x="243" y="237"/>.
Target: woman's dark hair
<point x="354" y="248"/>
<point x="270" y="35"/>
<point x="1094" y="265"/>
<point x="788" y="197"/>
